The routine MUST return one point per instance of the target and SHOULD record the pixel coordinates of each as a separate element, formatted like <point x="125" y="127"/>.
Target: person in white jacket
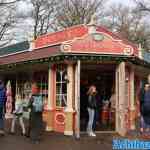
<point x="18" y="114"/>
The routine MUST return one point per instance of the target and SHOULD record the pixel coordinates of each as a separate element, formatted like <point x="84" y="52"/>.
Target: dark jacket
<point x="142" y="94"/>
<point x="2" y="95"/>
<point x="146" y="107"/>
<point x="92" y="101"/>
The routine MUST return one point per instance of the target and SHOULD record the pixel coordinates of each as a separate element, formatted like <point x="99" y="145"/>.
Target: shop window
<point x="61" y="85"/>
<point x="23" y="89"/>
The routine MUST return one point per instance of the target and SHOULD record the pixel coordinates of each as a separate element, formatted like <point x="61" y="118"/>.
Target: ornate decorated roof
<point x="78" y="39"/>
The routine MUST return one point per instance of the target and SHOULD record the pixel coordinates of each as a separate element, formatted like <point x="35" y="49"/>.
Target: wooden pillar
<point x="50" y="100"/>
<point x="132" y="99"/>
<point x="120" y="99"/>
<point x="50" y="86"/>
<point x="77" y="99"/>
<point x="69" y="109"/>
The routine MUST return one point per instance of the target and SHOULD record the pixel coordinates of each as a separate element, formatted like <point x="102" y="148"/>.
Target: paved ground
<point x="53" y="141"/>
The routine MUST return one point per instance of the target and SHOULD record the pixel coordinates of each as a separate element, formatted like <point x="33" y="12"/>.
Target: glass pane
<point x="64" y="75"/>
<point x="58" y="90"/>
<point x="64" y="88"/>
<point x="64" y="100"/>
<point x="57" y="76"/>
<point x="58" y="100"/>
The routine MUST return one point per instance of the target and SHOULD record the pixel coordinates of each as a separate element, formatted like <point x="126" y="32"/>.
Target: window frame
<point x="61" y="96"/>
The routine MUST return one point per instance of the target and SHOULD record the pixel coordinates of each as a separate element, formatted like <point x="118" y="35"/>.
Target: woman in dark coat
<point x="146" y="109"/>
<point x="91" y="109"/>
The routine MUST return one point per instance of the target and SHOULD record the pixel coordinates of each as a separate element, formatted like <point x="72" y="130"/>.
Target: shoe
<point x="23" y="134"/>
<point x="92" y="134"/>
<point x="27" y="135"/>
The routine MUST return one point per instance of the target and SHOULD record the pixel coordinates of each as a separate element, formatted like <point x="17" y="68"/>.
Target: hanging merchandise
<point x="9" y="100"/>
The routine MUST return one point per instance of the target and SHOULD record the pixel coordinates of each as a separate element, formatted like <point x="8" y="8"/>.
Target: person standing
<point x="2" y="105"/>
<point x="146" y="110"/>
<point x="18" y="114"/>
<point x="91" y="109"/>
<point x="36" y="109"/>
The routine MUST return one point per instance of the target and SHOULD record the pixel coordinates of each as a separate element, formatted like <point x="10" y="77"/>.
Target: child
<point x="18" y="114"/>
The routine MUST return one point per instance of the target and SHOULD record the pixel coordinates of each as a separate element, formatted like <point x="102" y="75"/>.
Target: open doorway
<point x="103" y="77"/>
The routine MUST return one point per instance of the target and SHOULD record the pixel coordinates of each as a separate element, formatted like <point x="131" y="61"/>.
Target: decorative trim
<point x="66" y="45"/>
<point x="57" y="122"/>
<point x="82" y="56"/>
<point x="128" y="51"/>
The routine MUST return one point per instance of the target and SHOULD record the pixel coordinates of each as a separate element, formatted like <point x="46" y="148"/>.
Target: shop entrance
<point x="103" y="77"/>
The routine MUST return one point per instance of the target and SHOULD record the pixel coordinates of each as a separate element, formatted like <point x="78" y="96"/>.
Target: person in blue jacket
<point x="2" y="105"/>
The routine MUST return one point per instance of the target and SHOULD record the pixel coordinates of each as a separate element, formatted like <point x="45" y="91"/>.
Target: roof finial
<point x="92" y="24"/>
<point x="31" y="41"/>
<point x="140" y="51"/>
<point x="93" y="20"/>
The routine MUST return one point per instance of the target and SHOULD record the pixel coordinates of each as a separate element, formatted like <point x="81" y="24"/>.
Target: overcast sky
<point x="26" y="28"/>
<point x="126" y="2"/>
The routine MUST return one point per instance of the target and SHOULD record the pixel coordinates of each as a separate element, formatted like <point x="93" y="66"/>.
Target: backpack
<point x="37" y="103"/>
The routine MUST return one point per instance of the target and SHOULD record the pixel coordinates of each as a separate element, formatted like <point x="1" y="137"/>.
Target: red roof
<point x="77" y="32"/>
<point x="61" y="36"/>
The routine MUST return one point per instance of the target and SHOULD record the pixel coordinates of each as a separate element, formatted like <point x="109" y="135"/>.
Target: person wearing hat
<point x="2" y="105"/>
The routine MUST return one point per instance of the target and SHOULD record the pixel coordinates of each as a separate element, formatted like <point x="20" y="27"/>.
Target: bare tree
<point x="42" y="14"/>
<point x="7" y="21"/>
<point x="73" y="12"/>
<point x="143" y="5"/>
<point x="4" y="2"/>
<point x="129" y="23"/>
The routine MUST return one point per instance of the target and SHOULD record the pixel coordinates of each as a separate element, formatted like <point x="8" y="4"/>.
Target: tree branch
<point x="7" y="3"/>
